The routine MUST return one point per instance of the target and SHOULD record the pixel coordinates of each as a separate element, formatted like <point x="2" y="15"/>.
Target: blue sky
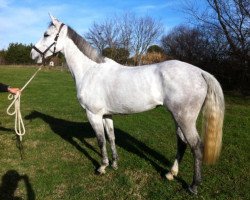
<point x="24" y="21"/>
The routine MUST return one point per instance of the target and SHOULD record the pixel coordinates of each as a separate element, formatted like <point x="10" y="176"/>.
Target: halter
<point x="49" y="47"/>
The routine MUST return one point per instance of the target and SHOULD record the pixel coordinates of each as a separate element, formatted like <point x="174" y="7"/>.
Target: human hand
<point x="13" y="90"/>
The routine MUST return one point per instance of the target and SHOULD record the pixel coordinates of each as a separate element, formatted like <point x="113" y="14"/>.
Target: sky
<point x="24" y="21"/>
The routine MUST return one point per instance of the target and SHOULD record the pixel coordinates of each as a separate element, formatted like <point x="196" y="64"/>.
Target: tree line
<point x="16" y="53"/>
<point x="19" y="54"/>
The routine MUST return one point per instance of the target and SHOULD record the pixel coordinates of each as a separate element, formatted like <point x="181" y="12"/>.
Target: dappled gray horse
<point x="105" y="87"/>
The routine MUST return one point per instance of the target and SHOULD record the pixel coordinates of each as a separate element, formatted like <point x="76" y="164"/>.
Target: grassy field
<point x="60" y="152"/>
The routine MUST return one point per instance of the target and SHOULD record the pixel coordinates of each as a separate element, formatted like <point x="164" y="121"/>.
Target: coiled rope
<point x="16" y="102"/>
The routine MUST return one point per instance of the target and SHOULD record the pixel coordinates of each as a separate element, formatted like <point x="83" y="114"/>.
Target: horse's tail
<point x="213" y="116"/>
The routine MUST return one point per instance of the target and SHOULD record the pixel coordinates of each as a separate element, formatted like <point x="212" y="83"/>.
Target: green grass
<point x="60" y="152"/>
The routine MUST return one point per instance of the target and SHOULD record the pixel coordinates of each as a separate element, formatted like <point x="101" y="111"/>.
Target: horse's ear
<point x="54" y="20"/>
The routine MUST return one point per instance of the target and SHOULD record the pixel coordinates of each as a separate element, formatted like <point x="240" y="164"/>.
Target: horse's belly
<point x="129" y="106"/>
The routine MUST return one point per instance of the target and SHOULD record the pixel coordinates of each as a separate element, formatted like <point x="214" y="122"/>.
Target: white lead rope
<point x="16" y="99"/>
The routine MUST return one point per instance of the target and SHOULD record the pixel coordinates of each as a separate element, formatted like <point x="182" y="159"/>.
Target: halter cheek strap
<point x="49" y="47"/>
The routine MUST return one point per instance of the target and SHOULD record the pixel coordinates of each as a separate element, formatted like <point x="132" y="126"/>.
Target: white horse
<point x="105" y="87"/>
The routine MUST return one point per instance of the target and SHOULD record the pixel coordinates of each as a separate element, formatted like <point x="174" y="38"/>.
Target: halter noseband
<point x="49" y="47"/>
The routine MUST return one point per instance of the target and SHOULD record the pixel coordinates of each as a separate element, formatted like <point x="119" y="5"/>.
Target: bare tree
<point x="146" y="31"/>
<point x="95" y="37"/>
<point x="230" y="16"/>
<point x="104" y="34"/>
<point x="231" y="19"/>
<point x="126" y="30"/>
<point x="129" y="32"/>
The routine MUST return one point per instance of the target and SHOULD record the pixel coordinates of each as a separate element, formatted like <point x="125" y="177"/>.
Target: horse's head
<point x="51" y="42"/>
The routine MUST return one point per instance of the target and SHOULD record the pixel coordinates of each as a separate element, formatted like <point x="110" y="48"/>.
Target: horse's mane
<point x="84" y="46"/>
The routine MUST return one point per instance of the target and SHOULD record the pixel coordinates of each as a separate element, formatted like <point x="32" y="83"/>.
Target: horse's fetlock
<point x="193" y="189"/>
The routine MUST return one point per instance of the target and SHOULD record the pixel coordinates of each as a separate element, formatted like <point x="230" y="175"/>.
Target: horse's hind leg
<point x="194" y="141"/>
<point x="181" y="147"/>
<point x="109" y="127"/>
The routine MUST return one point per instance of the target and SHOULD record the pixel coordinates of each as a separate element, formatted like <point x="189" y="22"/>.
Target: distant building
<point x="51" y="64"/>
<point x="55" y="61"/>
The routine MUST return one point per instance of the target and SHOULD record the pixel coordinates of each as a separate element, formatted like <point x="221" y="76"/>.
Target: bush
<point x="120" y="55"/>
<point x="18" y="53"/>
<point x="154" y="57"/>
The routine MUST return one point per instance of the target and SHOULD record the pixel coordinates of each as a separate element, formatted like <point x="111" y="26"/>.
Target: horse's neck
<point x="77" y="62"/>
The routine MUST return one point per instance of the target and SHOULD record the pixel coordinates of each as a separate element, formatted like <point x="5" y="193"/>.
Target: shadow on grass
<point x="6" y="129"/>
<point x="15" y="137"/>
<point x="9" y="185"/>
<point x="69" y="131"/>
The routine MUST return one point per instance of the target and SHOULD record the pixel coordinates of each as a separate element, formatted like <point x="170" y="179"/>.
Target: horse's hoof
<point x="101" y="170"/>
<point x="114" y="165"/>
<point x="193" y="190"/>
<point x="169" y="176"/>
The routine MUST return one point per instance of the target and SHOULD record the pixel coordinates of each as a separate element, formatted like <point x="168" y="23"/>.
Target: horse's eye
<point x="46" y="35"/>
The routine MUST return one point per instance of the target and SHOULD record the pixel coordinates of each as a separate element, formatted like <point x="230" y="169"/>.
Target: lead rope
<point x="16" y="101"/>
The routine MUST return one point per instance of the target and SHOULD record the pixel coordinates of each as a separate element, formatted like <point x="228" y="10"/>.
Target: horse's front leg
<point x="96" y="122"/>
<point x="109" y="127"/>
